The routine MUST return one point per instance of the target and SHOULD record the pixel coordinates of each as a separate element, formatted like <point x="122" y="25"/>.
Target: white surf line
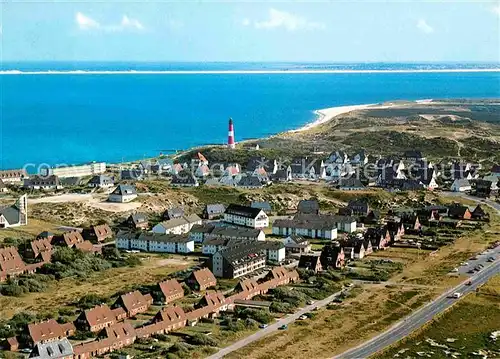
<point x="236" y="72"/>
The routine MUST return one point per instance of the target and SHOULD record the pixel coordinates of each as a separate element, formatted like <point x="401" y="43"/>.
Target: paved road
<point x="423" y="315"/>
<point x="273" y="327"/>
<point x="419" y="317"/>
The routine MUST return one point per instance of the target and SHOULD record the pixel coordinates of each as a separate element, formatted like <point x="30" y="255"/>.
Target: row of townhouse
<point x="314" y="225"/>
<point x="200" y="233"/>
<point x="177" y="225"/>
<point x="154" y="242"/>
<point x="113" y="333"/>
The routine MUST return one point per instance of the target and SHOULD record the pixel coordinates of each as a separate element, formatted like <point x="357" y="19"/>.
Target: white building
<point x="101" y="181"/>
<point x="275" y="250"/>
<point x="122" y="194"/>
<point x="461" y="185"/>
<point x="89" y="169"/>
<point x="15" y="215"/>
<point x="154" y="242"/>
<point x="178" y="225"/>
<point x="13" y="176"/>
<point x="314" y="226"/>
<point x="246" y="216"/>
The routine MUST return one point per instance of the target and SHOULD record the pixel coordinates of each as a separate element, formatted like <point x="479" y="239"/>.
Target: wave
<point x="236" y="72"/>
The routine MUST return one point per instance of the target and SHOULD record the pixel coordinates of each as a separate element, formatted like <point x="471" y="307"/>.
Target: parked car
<point x="263" y="326"/>
<point x="309" y="302"/>
<point x="303" y="317"/>
<point x="468" y="282"/>
<point x="283" y="327"/>
<point x="491" y="259"/>
<point x="456" y="295"/>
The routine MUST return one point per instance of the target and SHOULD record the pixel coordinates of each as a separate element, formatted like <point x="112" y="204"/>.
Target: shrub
<point x="260" y="316"/>
<point x="90" y="300"/>
<point x="201" y="339"/>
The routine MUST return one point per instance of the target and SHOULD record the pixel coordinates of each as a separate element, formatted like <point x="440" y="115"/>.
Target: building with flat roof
<point x="89" y="169"/>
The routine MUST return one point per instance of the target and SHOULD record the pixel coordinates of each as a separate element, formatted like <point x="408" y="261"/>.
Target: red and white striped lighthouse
<point x="230" y="135"/>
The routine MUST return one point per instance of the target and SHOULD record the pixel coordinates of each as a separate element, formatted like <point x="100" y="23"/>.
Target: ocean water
<point x="73" y="118"/>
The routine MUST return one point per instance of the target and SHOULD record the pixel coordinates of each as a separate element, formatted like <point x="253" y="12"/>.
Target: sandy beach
<point x="327" y="114"/>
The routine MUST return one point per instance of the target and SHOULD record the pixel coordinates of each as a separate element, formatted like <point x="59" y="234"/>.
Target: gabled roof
<point x="184" y="177"/>
<point x="173" y="212"/>
<point x="308" y="206"/>
<point x="139" y="217"/>
<point x="171" y="287"/>
<point x="202" y="228"/>
<point x="171" y="315"/>
<point x="40" y="245"/>
<point x="134" y="300"/>
<point x="200" y="157"/>
<point x="215" y="208"/>
<point x="45" y="331"/>
<point x="7" y="174"/>
<point x="124" y="189"/>
<point x="214" y="299"/>
<point x="56" y="349"/>
<point x="11" y="214"/>
<point x="297" y="239"/>
<point x="265" y="206"/>
<point x="101" y="179"/>
<point x="250" y="181"/>
<point x="204" y="277"/>
<point x="309" y="261"/>
<point x="248" y="285"/>
<point x="10" y="260"/>
<point x="242" y="211"/>
<point x="120" y="331"/>
<point x="72" y="237"/>
<point x="99" y="314"/>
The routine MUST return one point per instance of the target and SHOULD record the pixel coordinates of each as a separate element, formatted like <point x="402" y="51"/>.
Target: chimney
<point x="230" y="135"/>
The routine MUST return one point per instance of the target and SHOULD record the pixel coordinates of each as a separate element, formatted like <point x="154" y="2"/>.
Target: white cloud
<point x="496" y="10"/>
<point x="288" y="21"/>
<point x="423" y="26"/>
<point x="129" y="23"/>
<point x="245" y="22"/>
<point x="86" y="23"/>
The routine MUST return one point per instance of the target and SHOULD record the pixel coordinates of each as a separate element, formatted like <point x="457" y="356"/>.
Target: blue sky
<point x="250" y="31"/>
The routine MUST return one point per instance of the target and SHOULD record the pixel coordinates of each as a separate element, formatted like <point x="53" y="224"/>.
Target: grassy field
<point x="34" y="227"/>
<point x="335" y="329"/>
<point x="464" y="329"/>
<point x="66" y="291"/>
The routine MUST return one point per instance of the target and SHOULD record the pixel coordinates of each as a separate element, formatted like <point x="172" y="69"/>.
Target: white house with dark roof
<point x="15" y="215"/>
<point x="177" y="225"/>
<point x="57" y="349"/>
<point x="246" y="216"/>
<point x="123" y="193"/>
<point x="297" y="244"/>
<point x="3" y="187"/>
<point x="461" y="185"/>
<point x="154" y="242"/>
<point x="101" y="181"/>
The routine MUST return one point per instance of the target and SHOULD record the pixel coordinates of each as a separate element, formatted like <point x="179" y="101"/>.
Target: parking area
<point x="479" y="261"/>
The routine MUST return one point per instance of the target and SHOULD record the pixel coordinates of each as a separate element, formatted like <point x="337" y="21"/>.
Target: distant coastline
<point x="238" y="72"/>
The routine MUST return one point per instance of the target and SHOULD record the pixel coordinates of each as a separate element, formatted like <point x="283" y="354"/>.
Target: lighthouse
<point x="230" y="135"/>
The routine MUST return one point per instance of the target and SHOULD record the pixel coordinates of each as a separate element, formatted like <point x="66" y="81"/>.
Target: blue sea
<point x="51" y="114"/>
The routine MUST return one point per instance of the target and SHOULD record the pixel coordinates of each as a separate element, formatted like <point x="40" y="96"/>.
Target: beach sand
<point x="327" y="114"/>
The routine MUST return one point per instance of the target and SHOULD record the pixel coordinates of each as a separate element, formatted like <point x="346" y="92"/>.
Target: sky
<point x="334" y="31"/>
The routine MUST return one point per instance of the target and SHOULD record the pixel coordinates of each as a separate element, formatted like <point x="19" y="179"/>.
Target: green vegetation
<point x="65" y="263"/>
<point x="464" y="329"/>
